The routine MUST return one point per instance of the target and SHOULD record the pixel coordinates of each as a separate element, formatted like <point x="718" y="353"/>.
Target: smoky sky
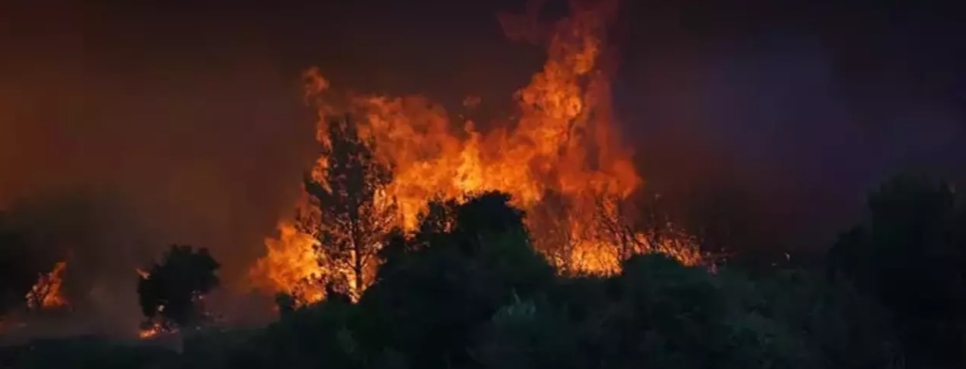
<point x="188" y="112"/>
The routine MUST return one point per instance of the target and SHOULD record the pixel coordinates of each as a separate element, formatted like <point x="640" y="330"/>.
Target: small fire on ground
<point x="47" y="292"/>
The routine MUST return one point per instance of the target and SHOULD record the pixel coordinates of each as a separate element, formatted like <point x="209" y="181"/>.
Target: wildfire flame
<point x="154" y="330"/>
<point x="562" y="161"/>
<point x="290" y="264"/>
<point x="46" y="292"/>
<point x="149" y="332"/>
<point x="151" y="329"/>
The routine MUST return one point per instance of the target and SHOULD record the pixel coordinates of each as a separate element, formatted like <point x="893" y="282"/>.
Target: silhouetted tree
<point x="171" y="291"/>
<point x="352" y="218"/>
<point x="911" y="255"/>
<point x="469" y="291"/>
<point x="428" y="298"/>
<point x="489" y="212"/>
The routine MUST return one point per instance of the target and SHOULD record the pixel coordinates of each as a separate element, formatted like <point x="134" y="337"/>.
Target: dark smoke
<point x="791" y="111"/>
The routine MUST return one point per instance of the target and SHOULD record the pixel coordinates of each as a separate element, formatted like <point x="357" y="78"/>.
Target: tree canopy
<point x="469" y="290"/>
<point x="911" y="255"/>
<point x="170" y="292"/>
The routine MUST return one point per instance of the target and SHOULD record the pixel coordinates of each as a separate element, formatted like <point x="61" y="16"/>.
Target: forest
<point x="433" y="239"/>
<point x="470" y="290"/>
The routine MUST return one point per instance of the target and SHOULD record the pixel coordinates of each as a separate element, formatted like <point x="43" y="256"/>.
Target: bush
<point x="473" y="293"/>
<point x="320" y="333"/>
<point x="469" y="291"/>
<point x="429" y="301"/>
<point x="170" y="294"/>
<point x="911" y="256"/>
<point x="85" y="353"/>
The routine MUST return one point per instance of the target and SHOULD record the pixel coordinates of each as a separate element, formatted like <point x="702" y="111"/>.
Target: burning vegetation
<point x="501" y="247"/>
<point x="386" y="158"/>
<point x="171" y="293"/>
<point x="46" y="293"/>
<point x="385" y="161"/>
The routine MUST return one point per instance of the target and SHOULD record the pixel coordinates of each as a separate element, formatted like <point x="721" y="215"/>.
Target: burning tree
<point x="353" y="212"/>
<point x="561" y="159"/>
<point x="171" y="292"/>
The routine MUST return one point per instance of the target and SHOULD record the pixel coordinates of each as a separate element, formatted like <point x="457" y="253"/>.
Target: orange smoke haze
<point x="113" y="146"/>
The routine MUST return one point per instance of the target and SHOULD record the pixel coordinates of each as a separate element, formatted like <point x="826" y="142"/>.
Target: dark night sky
<point x="189" y="110"/>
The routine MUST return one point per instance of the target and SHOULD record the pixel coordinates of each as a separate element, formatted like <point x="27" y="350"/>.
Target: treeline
<point x="469" y="291"/>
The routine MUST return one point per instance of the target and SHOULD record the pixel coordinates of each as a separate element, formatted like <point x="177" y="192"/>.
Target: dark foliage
<point x="85" y="353"/>
<point x="469" y="291"/>
<point x="171" y="293"/>
<point x="911" y="255"/>
<point x="16" y="275"/>
<point x="430" y="298"/>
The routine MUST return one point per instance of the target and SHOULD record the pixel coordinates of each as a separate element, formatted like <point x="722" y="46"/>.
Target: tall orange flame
<point x="562" y="162"/>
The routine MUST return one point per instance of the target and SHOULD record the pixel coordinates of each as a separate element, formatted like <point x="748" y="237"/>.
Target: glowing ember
<point x="152" y="331"/>
<point x="147" y="333"/>
<point x="562" y="162"/>
<point x="46" y="292"/>
<point x="142" y="273"/>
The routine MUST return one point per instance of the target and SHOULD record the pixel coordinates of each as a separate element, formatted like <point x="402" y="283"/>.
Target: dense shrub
<point x="171" y="291"/>
<point x="85" y="353"/>
<point x="469" y="291"/>
<point x="911" y="255"/>
<point x="473" y="293"/>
